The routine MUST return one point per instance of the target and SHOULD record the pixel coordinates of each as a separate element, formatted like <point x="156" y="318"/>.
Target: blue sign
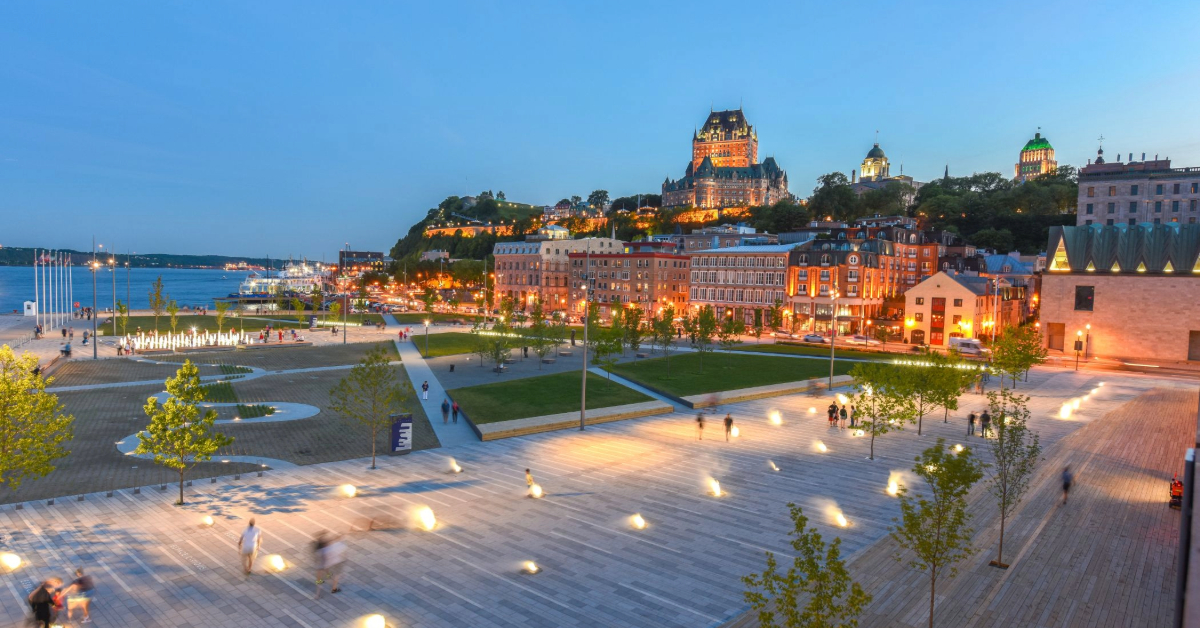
<point x="401" y="442"/>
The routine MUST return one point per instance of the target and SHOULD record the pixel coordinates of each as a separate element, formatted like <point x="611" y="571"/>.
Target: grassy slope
<point x="536" y="396"/>
<point x="723" y="371"/>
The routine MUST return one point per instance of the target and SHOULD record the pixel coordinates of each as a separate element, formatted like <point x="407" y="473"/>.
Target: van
<point x="967" y="346"/>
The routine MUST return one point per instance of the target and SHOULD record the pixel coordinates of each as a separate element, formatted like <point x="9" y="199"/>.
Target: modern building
<point x="724" y="169"/>
<point x="634" y="276"/>
<point x="947" y="306"/>
<point x="1036" y="159"/>
<point x="359" y="261"/>
<point x="875" y="173"/>
<point x="743" y="281"/>
<point x="1124" y="291"/>
<point x="531" y="271"/>
<point x="1137" y="191"/>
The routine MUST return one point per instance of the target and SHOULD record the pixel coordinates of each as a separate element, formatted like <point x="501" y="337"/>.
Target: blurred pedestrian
<point x="425" y="389"/>
<point x="445" y="411"/>
<point x="852" y="417"/>
<point x="842" y="414"/>
<point x="700" y="426"/>
<point x="454" y="412"/>
<point x="985" y="423"/>
<point x="41" y="601"/>
<point x="971" y="424"/>
<point x="728" y="425"/>
<point x="1067" y="479"/>
<point x="79" y="595"/>
<point x="248" y="545"/>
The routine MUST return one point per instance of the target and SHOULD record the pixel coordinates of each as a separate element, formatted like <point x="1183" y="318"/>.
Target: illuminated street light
<point x="375" y="621"/>
<point x="207" y="521"/>
<point x="530" y="567"/>
<point x="276" y="562"/>
<point x="348" y="490"/>
<point x="714" y="487"/>
<point x="637" y="522"/>
<point x="425" y="516"/>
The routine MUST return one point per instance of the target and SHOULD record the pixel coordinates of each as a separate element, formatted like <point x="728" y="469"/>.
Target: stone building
<point x="531" y="271"/>
<point x="1137" y="191"/>
<point x="724" y="169"/>
<point x="634" y="276"/>
<point x="875" y="173"/>
<point x="743" y="281"/>
<point x="1136" y="286"/>
<point x="1036" y="159"/>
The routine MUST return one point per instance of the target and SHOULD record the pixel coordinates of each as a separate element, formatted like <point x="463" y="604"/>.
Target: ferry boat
<point x="296" y="279"/>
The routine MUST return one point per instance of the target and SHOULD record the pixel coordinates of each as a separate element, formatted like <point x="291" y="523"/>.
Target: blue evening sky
<point x="254" y="128"/>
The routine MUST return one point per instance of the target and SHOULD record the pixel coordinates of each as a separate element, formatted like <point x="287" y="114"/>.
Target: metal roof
<point x="1142" y="248"/>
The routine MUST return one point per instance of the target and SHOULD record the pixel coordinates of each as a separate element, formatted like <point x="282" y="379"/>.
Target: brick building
<point x="863" y="275"/>
<point x="529" y="271"/>
<point x="638" y="275"/>
<point x="744" y="280"/>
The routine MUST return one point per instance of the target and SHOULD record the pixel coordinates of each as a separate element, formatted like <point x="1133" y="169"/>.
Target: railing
<point x="22" y="340"/>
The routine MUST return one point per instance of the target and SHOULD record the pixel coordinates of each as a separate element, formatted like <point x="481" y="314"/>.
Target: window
<point x="957" y="303"/>
<point x="1158" y="189"/>
<point x="1158" y="221"/>
<point x="1084" y="298"/>
<point x="1089" y="208"/>
<point x="918" y="317"/>
<point x="1091" y="192"/>
<point x="1132" y="207"/>
<point x="1175" y="190"/>
<point x="1110" y="222"/>
<point x="1195" y="187"/>
<point x="957" y="318"/>
<point x="1133" y="190"/>
<point x="1132" y="221"/>
<point x="1112" y="190"/>
<point x="824" y="275"/>
<point x="1174" y="206"/>
<point x="1088" y="221"/>
<point x="1192" y="205"/>
<point x="1112" y="208"/>
<point x="1158" y="207"/>
<point x="920" y="300"/>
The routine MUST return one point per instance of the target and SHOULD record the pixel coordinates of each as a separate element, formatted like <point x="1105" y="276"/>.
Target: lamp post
<point x="426" y="321"/>
<point x="1087" y="340"/>
<point x="1078" y="347"/>
<point x="95" y="352"/>
<point x="112" y="263"/>
<point x="587" y="310"/>
<point x="909" y="323"/>
<point x="832" y="335"/>
<point x="345" y="296"/>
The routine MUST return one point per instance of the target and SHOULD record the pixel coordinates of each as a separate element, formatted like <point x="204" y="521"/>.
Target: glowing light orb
<point x="207" y="520"/>
<point x="734" y="432"/>
<point x="1074" y="404"/>
<point x="714" y="487"/>
<point x="812" y="410"/>
<point x="348" y="490"/>
<point x="775" y="418"/>
<point x="1095" y="390"/>
<point x="275" y="561"/>
<point x="1065" y="411"/>
<point x="531" y="567"/>
<point x="1100" y="384"/>
<point x="375" y="621"/>
<point x="842" y="399"/>
<point x="859" y="432"/>
<point x="958" y="449"/>
<point x="425" y="516"/>
<point x="10" y="561"/>
<point x="536" y="491"/>
<point x="772" y="465"/>
<point x="932" y="468"/>
<point x="638" y="522"/>
<point x="893" y="488"/>
<point x="841" y="520"/>
<point x="820" y="447"/>
<point x="454" y="468"/>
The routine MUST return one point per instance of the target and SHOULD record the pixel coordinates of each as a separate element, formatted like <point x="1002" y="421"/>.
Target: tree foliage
<point x="701" y="328"/>
<point x="882" y="401"/>
<point x="173" y="313"/>
<point x="818" y="577"/>
<point x="371" y="393"/>
<point x="157" y="301"/>
<point x="180" y="434"/>
<point x="934" y="526"/>
<point x="123" y="315"/>
<point x="662" y="328"/>
<point x="33" y="426"/>
<point x="1016" y="351"/>
<point x="222" y="308"/>
<point x="1015" y="452"/>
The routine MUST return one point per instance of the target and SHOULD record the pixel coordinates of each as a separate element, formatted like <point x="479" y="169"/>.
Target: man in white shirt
<point x="248" y="546"/>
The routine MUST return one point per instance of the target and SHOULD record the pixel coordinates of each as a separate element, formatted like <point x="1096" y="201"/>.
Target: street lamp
<point x="833" y="334"/>
<point x="95" y="351"/>
<point x="426" y="321"/>
<point x="1078" y="347"/>
<point x="1087" y="340"/>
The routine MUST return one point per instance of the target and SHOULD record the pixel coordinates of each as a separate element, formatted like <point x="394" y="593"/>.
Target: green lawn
<point x="450" y="343"/>
<point x="536" y="396"/>
<point x="723" y="371"/>
<point x="220" y="392"/>
<point x="418" y="318"/>
<point x="819" y="351"/>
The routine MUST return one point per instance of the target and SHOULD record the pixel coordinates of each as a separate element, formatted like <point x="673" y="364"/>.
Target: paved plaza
<point x="158" y="566"/>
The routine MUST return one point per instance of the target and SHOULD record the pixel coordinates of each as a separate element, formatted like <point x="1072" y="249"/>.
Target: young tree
<point x="298" y="310"/>
<point x="179" y="435"/>
<point x="371" y="393"/>
<point x="606" y="351"/>
<point x="635" y="328"/>
<point x="33" y="426"/>
<point x="455" y="300"/>
<point x="757" y="331"/>
<point x="1015" y="452"/>
<point x="933" y="383"/>
<point x="663" y="328"/>
<point x="730" y="331"/>
<point x="157" y="301"/>
<point x="538" y="333"/>
<point x="882" y="403"/>
<point x="123" y="316"/>
<point x="173" y="313"/>
<point x="335" y="310"/>
<point x="222" y="308"/>
<point x="498" y="345"/>
<point x="774" y="315"/>
<point x="818" y="574"/>
<point x="616" y="328"/>
<point x="361" y="303"/>
<point x="700" y="329"/>
<point x="479" y="344"/>
<point x="1016" y="351"/>
<point x="934" y="528"/>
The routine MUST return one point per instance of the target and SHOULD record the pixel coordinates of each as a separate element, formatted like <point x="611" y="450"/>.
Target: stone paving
<point x="157" y="566"/>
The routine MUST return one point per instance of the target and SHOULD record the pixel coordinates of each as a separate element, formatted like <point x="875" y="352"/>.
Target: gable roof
<point x="1142" y="248"/>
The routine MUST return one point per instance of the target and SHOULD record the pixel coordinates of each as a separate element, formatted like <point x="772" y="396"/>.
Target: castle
<point x="724" y="170"/>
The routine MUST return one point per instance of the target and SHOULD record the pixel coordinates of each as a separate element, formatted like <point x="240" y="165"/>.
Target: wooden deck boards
<point x="1105" y="559"/>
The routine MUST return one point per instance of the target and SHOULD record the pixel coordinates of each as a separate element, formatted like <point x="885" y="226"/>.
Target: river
<point x="188" y="286"/>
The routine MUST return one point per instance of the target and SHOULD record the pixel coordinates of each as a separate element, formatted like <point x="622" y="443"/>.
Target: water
<point x="189" y="287"/>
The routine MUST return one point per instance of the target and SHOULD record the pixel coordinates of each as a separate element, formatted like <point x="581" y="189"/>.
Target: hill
<point x="19" y="256"/>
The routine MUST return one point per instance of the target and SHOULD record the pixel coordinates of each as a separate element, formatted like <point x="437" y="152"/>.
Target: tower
<point x="1036" y="159"/>
<point x="727" y="138"/>
<point x="875" y="166"/>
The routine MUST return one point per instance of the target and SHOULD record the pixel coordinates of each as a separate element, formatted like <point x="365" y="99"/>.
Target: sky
<point x="292" y="128"/>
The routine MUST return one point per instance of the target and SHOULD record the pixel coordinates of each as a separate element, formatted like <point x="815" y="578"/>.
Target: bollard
<point x="108" y="494"/>
<point x="50" y="502"/>
<point x="79" y="499"/>
<point x="20" y="507"/>
<point x="137" y="490"/>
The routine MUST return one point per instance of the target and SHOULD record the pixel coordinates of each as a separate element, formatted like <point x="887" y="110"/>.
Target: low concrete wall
<point x="564" y="421"/>
<point x="760" y="392"/>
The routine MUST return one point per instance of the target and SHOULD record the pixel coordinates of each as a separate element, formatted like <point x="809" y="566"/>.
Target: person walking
<point x="1067" y="479"/>
<point x="971" y="424"/>
<point x="454" y="412"/>
<point x="79" y="595"/>
<point x="41" y="601"/>
<point x="332" y="558"/>
<point x="445" y="411"/>
<point x="248" y="545"/>
<point x="985" y="423"/>
<point x="842" y="414"/>
<point x="529" y="483"/>
<point x="425" y="389"/>
<point x="728" y="425"/>
<point x="700" y="426"/>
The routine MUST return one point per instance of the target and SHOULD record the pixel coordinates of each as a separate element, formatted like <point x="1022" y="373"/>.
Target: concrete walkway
<point x="449" y="434"/>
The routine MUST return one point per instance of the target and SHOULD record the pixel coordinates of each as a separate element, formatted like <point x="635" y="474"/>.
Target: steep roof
<point x="1137" y="249"/>
<point x="1037" y="143"/>
<point x="724" y="123"/>
<point x="978" y="285"/>
<point x="876" y="152"/>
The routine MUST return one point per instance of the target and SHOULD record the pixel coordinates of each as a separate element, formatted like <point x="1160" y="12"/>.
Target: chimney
<point x="1143" y="156"/>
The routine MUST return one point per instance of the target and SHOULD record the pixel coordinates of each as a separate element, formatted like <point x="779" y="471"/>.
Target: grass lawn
<point x="536" y="396"/>
<point x="449" y="343"/>
<point x="820" y="351"/>
<point x="723" y="371"/>
<point x="418" y="318"/>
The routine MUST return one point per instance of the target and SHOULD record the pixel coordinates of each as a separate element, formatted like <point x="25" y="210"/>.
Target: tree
<point x="775" y="315"/>
<point x="33" y="426"/>
<point x="730" y="331"/>
<point x="935" y="383"/>
<point x="500" y="196"/>
<point x="598" y="199"/>
<point x="480" y="343"/>
<point x="882" y="403"/>
<point x="1015" y="452"/>
<point x="179" y="435"/>
<point x="173" y="313"/>
<point x="1016" y="351"/>
<point x="360" y="303"/>
<point x="335" y="310"/>
<point x="575" y="200"/>
<point x="818" y="573"/>
<point x="935" y="528"/>
<point x="298" y="310"/>
<point x="834" y="198"/>
<point x="663" y="328"/>
<point x="123" y="315"/>
<point x="700" y="329"/>
<point x="371" y="393"/>
<point x="538" y="333"/>
<point x="757" y="331"/>
<point x="455" y="300"/>
<point x="999" y="240"/>
<point x="157" y="302"/>
<point x="497" y="344"/>
<point x="222" y="307"/>
<point x="635" y="328"/>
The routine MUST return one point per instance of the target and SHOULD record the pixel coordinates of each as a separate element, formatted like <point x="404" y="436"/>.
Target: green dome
<point x="1038" y="143"/>
<point x="876" y="153"/>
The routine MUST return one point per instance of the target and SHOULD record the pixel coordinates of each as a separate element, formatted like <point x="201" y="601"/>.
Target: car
<point x="785" y="335"/>
<point x="814" y="338"/>
<point x="859" y="339"/>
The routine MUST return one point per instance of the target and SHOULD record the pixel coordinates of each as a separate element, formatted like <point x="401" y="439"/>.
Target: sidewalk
<point x="449" y="434"/>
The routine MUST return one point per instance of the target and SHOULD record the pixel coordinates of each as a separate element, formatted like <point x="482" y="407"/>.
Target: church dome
<point x="876" y="152"/>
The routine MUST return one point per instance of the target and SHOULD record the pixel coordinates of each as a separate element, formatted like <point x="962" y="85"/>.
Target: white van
<point x="968" y="346"/>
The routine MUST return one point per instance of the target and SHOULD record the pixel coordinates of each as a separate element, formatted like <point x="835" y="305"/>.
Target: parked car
<point x="815" y="338"/>
<point x="859" y="339"/>
<point x="968" y="346"/>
